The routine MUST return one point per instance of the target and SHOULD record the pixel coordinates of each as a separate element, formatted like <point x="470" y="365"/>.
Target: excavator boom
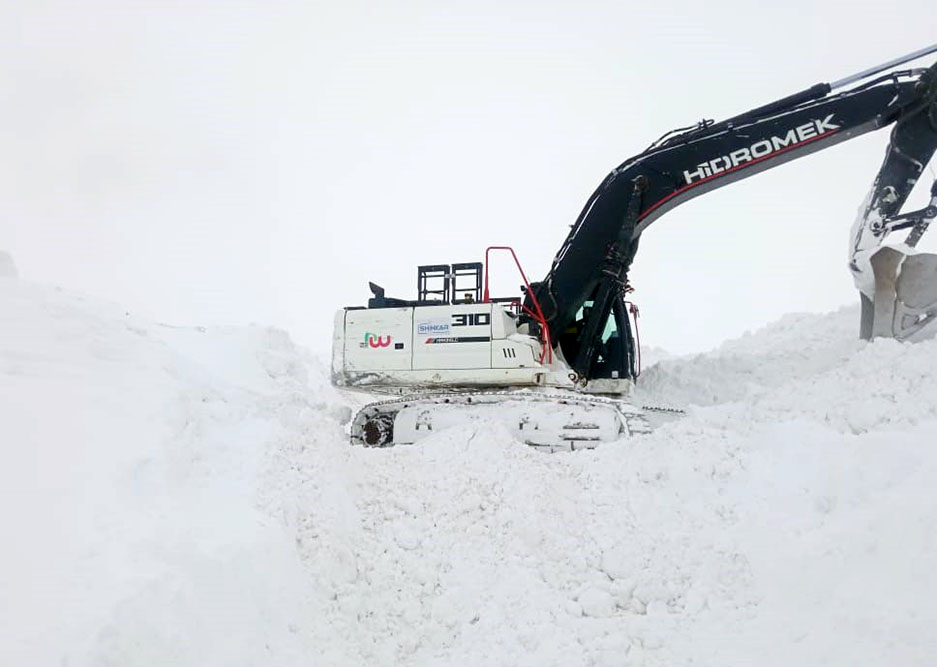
<point x="592" y="265"/>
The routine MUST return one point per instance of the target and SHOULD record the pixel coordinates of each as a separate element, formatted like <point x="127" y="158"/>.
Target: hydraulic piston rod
<point x="821" y="90"/>
<point x="920" y="53"/>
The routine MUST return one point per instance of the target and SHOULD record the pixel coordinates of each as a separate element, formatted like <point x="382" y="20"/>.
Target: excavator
<point x="557" y="363"/>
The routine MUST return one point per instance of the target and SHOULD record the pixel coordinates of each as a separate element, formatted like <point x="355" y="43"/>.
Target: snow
<point x="187" y="496"/>
<point x="7" y="267"/>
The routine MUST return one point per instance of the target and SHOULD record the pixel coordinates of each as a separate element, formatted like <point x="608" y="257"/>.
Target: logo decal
<point x="375" y="340"/>
<point x="439" y="327"/>
<point x="806" y="132"/>
<point x="471" y="319"/>
<point x="458" y="339"/>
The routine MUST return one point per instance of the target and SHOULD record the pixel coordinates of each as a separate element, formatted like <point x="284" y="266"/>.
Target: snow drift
<point x="187" y="496"/>
<point x="7" y="267"/>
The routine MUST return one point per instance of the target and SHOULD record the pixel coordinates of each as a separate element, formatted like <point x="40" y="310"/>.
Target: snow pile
<point x="651" y="355"/>
<point x="188" y="496"/>
<point x="7" y="267"/>
<point x="829" y="501"/>
<point x="131" y="460"/>
<point x="798" y="346"/>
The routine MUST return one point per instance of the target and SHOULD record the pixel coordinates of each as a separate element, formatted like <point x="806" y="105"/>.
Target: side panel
<point x="378" y="339"/>
<point x="452" y="337"/>
<point x="507" y="350"/>
<point x="470" y="377"/>
<point x="512" y="354"/>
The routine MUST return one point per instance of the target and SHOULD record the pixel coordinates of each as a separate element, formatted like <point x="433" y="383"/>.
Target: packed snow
<point x="7" y="267"/>
<point x="188" y="496"/>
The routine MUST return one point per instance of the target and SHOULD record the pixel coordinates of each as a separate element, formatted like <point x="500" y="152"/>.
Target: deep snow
<point x="182" y="496"/>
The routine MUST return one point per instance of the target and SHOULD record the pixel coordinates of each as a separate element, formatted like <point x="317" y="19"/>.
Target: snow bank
<point x="797" y="346"/>
<point x="132" y="460"/>
<point x="7" y="267"/>
<point x="188" y="496"/>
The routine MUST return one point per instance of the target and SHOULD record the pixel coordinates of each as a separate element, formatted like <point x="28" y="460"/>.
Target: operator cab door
<point x="452" y="337"/>
<point x="614" y="353"/>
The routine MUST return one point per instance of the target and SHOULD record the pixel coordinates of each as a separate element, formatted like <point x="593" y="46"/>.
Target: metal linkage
<point x="918" y="221"/>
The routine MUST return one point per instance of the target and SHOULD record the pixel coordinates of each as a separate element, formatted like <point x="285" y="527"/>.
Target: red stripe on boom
<point x="735" y="168"/>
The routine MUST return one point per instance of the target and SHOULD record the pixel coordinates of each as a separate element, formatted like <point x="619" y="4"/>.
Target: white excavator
<point x="557" y="363"/>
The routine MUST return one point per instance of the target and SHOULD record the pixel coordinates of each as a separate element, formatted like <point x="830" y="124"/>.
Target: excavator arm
<point x="591" y="268"/>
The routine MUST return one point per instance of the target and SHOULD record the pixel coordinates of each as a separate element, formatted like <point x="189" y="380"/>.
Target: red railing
<point x="547" y="346"/>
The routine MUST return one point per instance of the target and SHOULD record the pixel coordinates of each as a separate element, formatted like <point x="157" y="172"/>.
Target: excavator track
<point x="550" y="421"/>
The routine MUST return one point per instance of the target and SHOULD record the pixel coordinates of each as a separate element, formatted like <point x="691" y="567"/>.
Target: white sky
<point x="233" y="162"/>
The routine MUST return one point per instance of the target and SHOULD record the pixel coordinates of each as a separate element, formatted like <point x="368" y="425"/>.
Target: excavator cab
<point x="615" y="357"/>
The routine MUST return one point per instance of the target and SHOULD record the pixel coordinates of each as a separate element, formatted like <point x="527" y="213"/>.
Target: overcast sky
<point x="233" y="162"/>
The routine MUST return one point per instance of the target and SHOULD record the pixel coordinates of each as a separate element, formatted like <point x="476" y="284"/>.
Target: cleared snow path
<point x="188" y="497"/>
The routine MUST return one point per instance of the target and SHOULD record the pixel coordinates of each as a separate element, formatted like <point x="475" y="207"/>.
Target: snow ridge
<point x="7" y="267"/>
<point x="188" y="496"/>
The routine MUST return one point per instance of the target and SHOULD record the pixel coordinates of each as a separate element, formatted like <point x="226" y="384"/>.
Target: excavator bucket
<point x="905" y="302"/>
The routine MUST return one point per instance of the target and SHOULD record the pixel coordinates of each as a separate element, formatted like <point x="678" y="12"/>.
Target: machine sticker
<point x="471" y="319"/>
<point x="458" y="339"/>
<point x="438" y="327"/>
<point x="375" y="340"/>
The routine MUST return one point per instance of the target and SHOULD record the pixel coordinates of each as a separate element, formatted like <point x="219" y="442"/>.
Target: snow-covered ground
<point x="175" y="496"/>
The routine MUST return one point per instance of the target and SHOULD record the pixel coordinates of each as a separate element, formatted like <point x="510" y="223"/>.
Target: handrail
<point x="547" y="351"/>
